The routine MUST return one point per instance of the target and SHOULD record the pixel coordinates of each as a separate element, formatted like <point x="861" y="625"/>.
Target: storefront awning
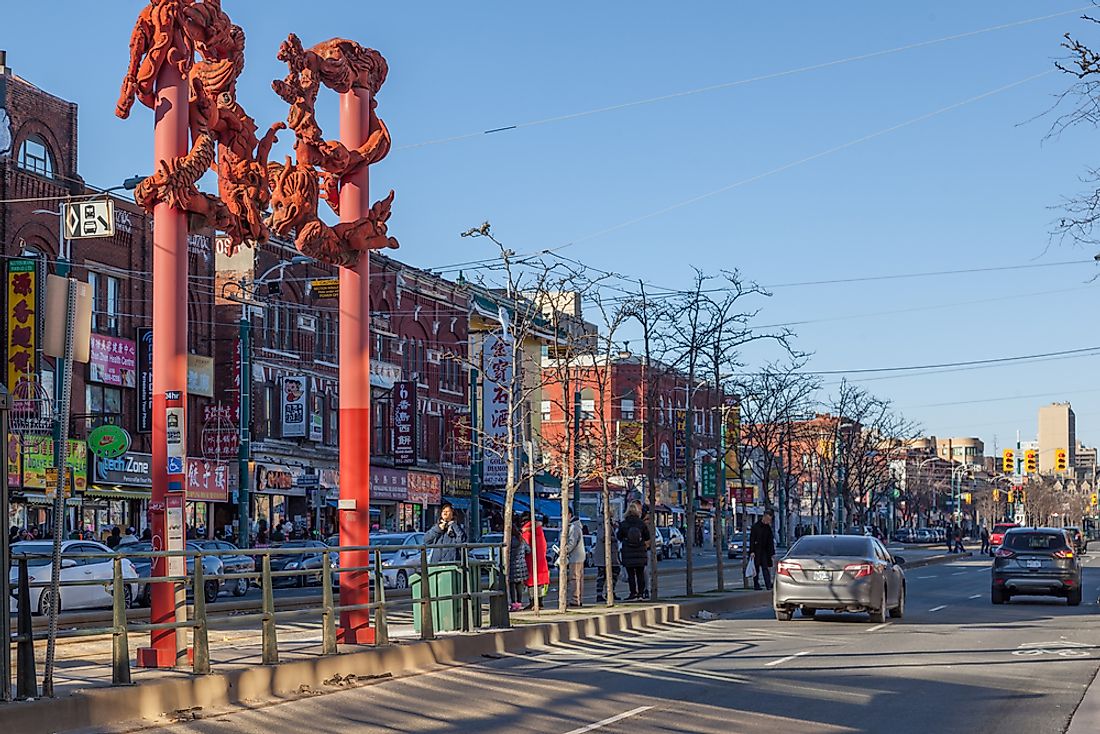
<point x="118" y="493"/>
<point x="39" y="498"/>
<point x="521" y="503"/>
<point x="459" y="503"/>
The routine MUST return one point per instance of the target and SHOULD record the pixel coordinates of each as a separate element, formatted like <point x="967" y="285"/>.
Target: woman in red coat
<point x="536" y="559"/>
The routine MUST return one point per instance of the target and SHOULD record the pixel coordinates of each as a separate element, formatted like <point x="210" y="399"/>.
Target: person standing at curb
<point x="635" y="539"/>
<point x="574" y="556"/>
<point x="538" y="568"/>
<point x="447" y="535"/>
<point x="517" y="567"/>
<point x="762" y="549"/>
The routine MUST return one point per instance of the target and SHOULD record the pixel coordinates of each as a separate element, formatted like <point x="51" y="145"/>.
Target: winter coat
<point x="574" y="543"/>
<point x="446" y="538"/>
<point x="536" y="559"/>
<point x="762" y="543"/>
<point x="518" y="572"/>
<point x="634" y="536"/>
<point x="599" y="557"/>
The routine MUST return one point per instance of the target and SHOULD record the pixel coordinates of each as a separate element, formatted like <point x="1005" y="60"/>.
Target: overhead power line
<point x="970" y="363"/>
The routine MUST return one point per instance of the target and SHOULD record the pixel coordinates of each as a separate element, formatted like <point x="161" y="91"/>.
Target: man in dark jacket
<point x="634" y="536"/>
<point x="762" y="549"/>
<point x="448" y="533"/>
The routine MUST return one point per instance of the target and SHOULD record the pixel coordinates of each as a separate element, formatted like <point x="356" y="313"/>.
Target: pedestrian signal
<point x="1008" y="462"/>
<point x="1061" y="460"/>
<point x="1031" y="461"/>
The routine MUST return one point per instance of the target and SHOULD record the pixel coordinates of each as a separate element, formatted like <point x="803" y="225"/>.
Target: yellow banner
<point x="22" y="321"/>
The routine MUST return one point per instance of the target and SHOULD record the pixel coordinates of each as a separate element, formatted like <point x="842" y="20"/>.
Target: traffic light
<point x="1008" y="462"/>
<point x="996" y="495"/>
<point x="1011" y="497"/>
<point x="1031" y="461"/>
<point x="967" y="497"/>
<point x="1094" y="498"/>
<point x="1061" y="460"/>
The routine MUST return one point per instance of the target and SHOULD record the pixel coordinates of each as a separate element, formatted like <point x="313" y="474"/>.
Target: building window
<point x="545" y="410"/>
<point x="105" y="291"/>
<point x="111" y="305"/>
<point x="35" y="157"/>
<point x="103" y="405"/>
<point x="626" y="407"/>
<point x="93" y="286"/>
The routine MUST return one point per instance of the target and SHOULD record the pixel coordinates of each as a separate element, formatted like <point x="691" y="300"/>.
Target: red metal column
<point x="169" y="346"/>
<point x="355" y="384"/>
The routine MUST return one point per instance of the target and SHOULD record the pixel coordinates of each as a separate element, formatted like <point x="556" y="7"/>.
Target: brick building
<point x="38" y="172"/>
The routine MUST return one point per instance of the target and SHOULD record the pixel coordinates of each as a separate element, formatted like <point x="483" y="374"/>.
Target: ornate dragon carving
<point x="298" y="186"/>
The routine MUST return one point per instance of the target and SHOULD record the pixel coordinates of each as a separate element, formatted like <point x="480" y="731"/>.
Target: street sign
<point x="325" y="288"/>
<point x="85" y="219"/>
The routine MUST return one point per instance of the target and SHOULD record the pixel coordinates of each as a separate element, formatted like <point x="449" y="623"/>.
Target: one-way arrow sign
<point x="86" y="219"/>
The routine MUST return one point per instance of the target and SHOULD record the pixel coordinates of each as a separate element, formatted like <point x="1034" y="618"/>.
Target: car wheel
<point x="784" y="615"/>
<point x="146" y="599"/>
<point x="210" y="591"/>
<point x="1073" y="598"/>
<point x="899" y="611"/>
<point x="808" y="612"/>
<point x="878" y="615"/>
<point x="45" y="600"/>
<point x="128" y="595"/>
<point x="241" y="587"/>
<point x="402" y="580"/>
<point x="997" y="596"/>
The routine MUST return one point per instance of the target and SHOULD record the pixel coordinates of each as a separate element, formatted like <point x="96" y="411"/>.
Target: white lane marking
<point x="926" y="577"/>
<point x="976" y="596"/>
<point x="609" y="720"/>
<point x="958" y="573"/>
<point x="878" y="626"/>
<point x="936" y="609"/>
<point x="786" y="659"/>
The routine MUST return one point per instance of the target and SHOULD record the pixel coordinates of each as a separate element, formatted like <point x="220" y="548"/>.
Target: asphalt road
<point x="954" y="664"/>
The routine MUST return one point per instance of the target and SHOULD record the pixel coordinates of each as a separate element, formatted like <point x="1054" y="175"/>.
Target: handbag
<point x="750" y="568"/>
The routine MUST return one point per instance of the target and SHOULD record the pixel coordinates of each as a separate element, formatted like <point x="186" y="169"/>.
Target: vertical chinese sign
<point x="145" y="379"/>
<point x="404" y="424"/>
<point x="22" y="321"/>
<point x="496" y="365"/>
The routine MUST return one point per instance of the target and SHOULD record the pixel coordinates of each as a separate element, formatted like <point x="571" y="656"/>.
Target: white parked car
<point x="76" y="565"/>
<point x="398" y="564"/>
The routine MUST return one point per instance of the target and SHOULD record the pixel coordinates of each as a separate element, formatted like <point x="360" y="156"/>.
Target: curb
<point x="1086" y="718"/>
<point x="934" y="560"/>
<point x="99" y="707"/>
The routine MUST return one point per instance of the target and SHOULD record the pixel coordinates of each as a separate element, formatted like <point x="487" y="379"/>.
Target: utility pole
<point x="689" y="487"/>
<point x="475" y="465"/>
<point x="244" y="420"/>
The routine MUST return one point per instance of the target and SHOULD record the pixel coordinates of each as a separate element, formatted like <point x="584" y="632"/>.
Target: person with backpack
<point x="517" y="566"/>
<point x="635" y="538"/>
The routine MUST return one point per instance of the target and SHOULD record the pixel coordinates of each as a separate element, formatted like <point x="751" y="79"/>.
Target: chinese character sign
<point x="207" y="480"/>
<point x="113" y="361"/>
<point x="22" y="321"/>
<point x="404" y="423"/>
<point x="294" y="406"/>
<point x="496" y="365"/>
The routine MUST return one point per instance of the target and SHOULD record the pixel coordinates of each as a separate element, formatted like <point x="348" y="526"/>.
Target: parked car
<point x="1080" y="542"/>
<point x="843" y="573"/>
<point x="923" y="535"/>
<point x="233" y="560"/>
<point x="314" y="562"/>
<point x="997" y="534"/>
<point x="281" y="561"/>
<point x="76" y="565"/>
<point x="1036" y="562"/>
<point x="212" y="566"/>
<point x="672" y="542"/>
<point x="734" y="547"/>
<point x="398" y="563"/>
<point x="904" y="535"/>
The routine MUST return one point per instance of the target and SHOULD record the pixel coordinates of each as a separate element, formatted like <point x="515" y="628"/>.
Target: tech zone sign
<point x="132" y="469"/>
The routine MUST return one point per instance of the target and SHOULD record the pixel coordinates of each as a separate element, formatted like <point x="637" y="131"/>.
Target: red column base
<point x="155" y="657"/>
<point x="355" y="635"/>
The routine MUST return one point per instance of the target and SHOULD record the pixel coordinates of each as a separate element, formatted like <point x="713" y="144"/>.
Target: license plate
<point x="822" y="575"/>
<point x="1034" y="564"/>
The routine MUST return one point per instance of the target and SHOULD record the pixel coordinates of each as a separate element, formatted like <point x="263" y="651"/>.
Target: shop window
<point x="34" y="156"/>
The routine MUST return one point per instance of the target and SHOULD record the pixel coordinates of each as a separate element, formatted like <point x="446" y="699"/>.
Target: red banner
<point x="207" y="481"/>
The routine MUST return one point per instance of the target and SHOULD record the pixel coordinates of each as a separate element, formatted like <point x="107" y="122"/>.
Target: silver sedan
<point x="842" y="573"/>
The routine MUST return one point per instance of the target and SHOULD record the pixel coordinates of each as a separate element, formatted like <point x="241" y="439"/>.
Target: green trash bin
<point x="442" y="581"/>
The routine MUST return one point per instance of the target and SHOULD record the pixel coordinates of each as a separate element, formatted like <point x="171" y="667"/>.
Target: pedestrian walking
<point x="600" y="561"/>
<point x="446" y="535"/>
<point x="574" y="557"/>
<point x="518" y="570"/>
<point x="762" y="549"/>
<point x="538" y="568"/>
<point x="635" y="538"/>
<point x="985" y="540"/>
<point x="959" y="539"/>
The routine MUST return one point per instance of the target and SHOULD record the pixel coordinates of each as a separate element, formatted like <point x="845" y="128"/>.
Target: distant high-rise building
<point x="1084" y="463"/>
<point x="1057" y="430"/>
<point x="968" y="450"/>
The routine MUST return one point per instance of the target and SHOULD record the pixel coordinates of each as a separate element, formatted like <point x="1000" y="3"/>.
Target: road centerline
<point x="936" y="609"/>
<point x="609" y="720"/>
<point x="786" y="659"/>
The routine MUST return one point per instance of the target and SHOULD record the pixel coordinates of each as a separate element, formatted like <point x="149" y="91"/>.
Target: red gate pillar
<point x="354" y="506"/>
<point x="169" y="347"/>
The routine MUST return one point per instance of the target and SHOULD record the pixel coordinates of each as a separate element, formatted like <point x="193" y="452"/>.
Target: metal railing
<point x="476" y="564"/>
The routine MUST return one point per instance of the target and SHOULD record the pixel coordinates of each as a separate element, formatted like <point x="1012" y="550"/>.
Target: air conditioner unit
<point x="307" y="323"/>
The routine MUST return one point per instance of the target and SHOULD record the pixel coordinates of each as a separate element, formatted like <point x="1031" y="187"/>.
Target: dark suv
<point x="1037" y="562"/>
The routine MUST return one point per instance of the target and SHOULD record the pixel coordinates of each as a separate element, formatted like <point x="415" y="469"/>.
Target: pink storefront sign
<point x="113" y="361"/>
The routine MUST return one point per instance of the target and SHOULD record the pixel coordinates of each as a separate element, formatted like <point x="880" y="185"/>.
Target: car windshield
<point x="1002" y="528"/>
<point x="830" y="545"/>
<point x="38" y="560"/>
<point x="1035" y="541"/>
<point x="391" y="540"/>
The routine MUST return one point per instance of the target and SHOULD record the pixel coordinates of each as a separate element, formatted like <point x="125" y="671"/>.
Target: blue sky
<point x="972" y="187"/>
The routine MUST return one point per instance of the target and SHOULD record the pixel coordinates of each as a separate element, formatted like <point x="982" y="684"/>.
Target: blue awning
<point x="459" y="503"/>
<point x="522" y="503"/>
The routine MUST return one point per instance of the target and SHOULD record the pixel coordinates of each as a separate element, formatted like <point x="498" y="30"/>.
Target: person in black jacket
<point x="634" y="536"/>
<point x="762" y="549"/>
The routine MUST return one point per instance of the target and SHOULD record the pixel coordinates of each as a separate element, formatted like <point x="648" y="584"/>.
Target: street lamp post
<point x="689" y="483"/>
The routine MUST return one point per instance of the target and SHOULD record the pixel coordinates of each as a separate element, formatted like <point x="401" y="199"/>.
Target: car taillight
<point x="1065" y="553"/>
<point x="859" y="570"/>
<point x="1003" y="552"/>
<point x="785" y="568"/>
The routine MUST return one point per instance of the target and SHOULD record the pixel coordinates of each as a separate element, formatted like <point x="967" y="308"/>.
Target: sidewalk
<point x="86" y="699"/>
